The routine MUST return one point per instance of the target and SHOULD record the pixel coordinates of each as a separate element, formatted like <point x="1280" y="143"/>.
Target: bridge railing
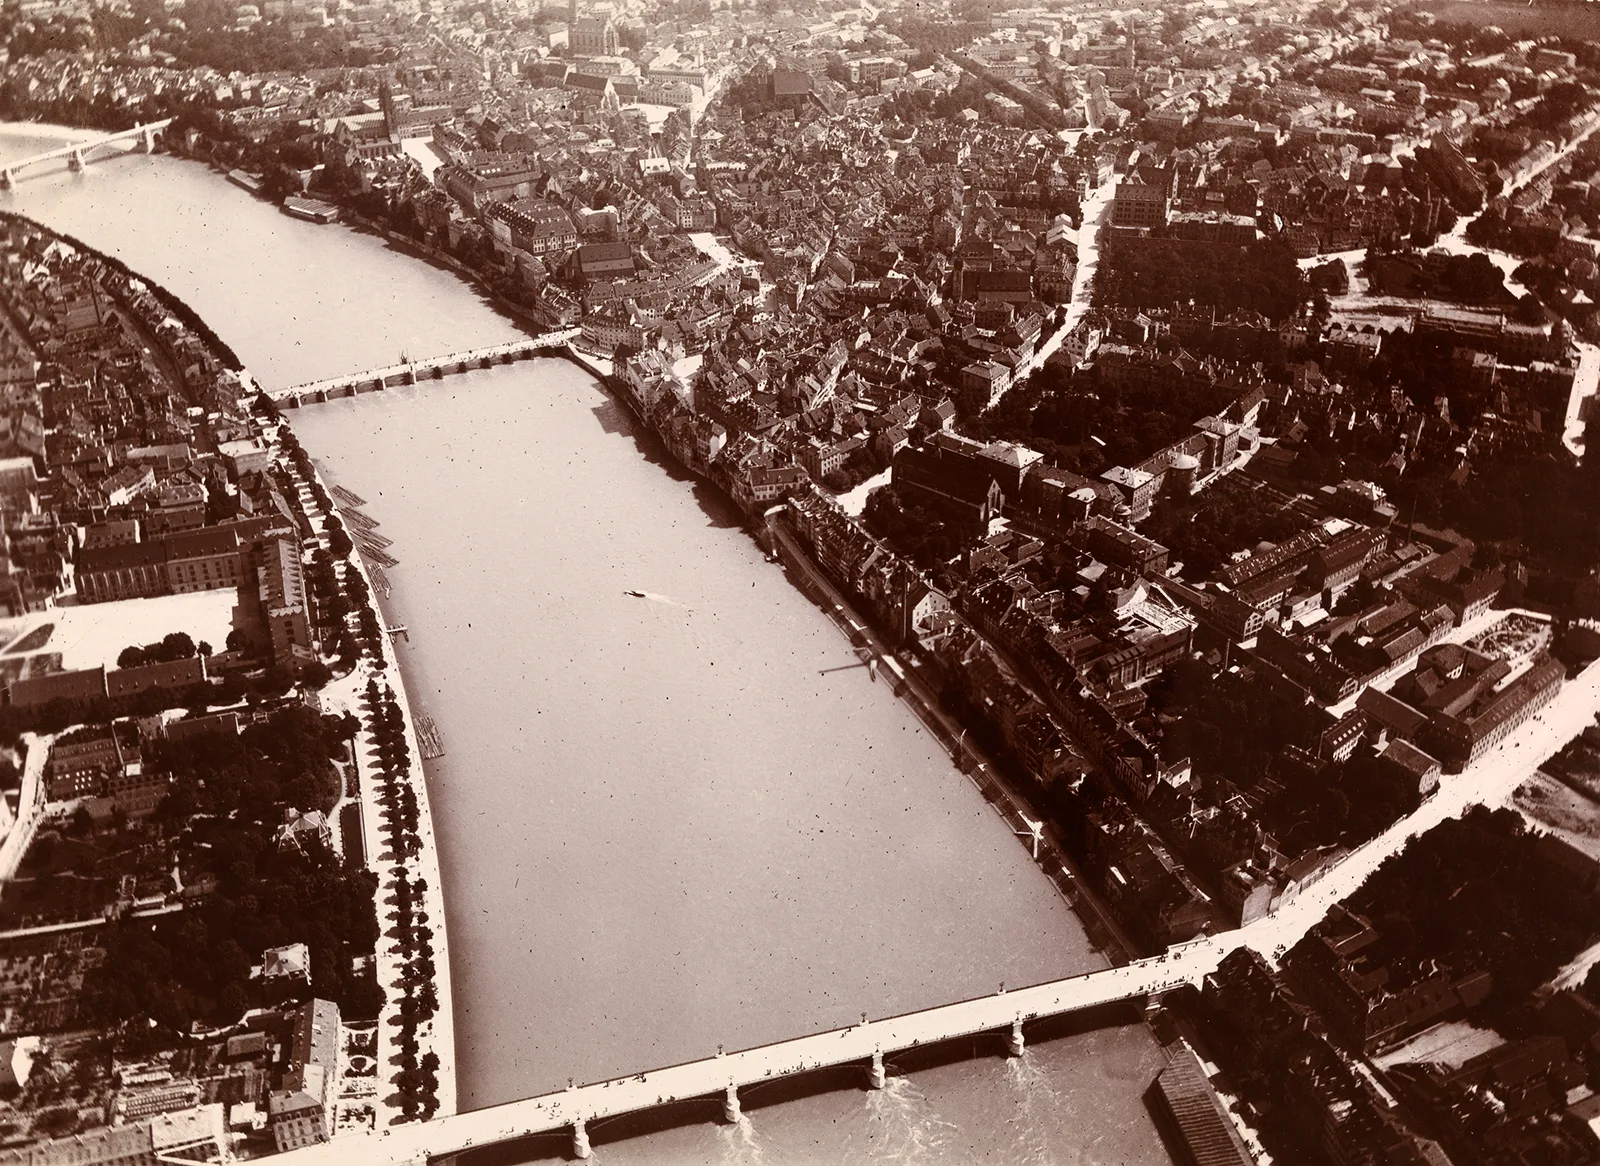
<point x="512" y="348"/>
<point x="842" y="1030"/>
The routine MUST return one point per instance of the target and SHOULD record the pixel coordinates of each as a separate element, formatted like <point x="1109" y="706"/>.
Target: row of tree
<point x="343" y="596"/>
<point x="417" y="1080"/>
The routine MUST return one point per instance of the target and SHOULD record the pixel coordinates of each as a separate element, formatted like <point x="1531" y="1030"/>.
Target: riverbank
<point x="347" y="694"/>
<point x="1104" y="932"/>
<point x="190" y="318"/>
<point x="417" y="249"/>
<point x="432" y="1027"/>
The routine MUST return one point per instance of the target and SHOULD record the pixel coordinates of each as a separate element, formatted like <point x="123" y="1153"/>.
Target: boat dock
<point x="363" y="529"/>
<point x="428" y="739"/>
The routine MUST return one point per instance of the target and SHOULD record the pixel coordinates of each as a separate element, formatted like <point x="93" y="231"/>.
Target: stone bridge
<point x="409" y="372"/>
<point x="572" y="1111"/>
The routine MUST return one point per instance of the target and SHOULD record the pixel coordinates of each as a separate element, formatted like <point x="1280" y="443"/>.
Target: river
<point x="666" y="824"/>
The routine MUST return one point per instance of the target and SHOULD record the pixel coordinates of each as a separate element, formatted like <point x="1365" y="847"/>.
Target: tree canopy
<point x="1159" y="272"/>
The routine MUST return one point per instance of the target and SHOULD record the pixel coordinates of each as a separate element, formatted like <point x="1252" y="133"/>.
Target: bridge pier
<point x="75" y="160"/>
<point x="730" y="1105"/>
<point x="580" y="1140"/>
<point x="147" y="142"/>
<point x="6" y="179"/>
<point x="877" y="1075"/>
<point x="1014" y="1042"/>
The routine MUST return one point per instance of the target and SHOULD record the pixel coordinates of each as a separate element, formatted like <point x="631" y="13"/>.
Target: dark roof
<point x="1410" y="758"/>
<point x="164" y="674"/>
<point x="1197" y="1112"/>
<point x="1389" y="711"/>
<point x="195" y="544"/>
<point x="602" y="252"/>
<point x="790" y="83"/>
<point x="960" y="480"/>
<point x="121" y="557"/>
<point x="80" y="685"/>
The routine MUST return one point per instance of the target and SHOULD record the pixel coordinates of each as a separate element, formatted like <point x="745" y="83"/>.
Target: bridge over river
<point x="409" y="372"/>
<point x="574" y="1110"/>
<point x="1489" y="781"/>
<point x="79" y="154"/>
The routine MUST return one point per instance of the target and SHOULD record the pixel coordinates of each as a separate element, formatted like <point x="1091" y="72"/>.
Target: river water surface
<point x="666" y="824"/>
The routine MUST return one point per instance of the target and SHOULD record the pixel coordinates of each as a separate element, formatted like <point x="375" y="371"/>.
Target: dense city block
<point x="1183" y="409"/>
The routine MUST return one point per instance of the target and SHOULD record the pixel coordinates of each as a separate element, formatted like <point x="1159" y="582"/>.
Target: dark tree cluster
<point x="1534" y="497"/>
<point x="1225" y="723"/>
<point x="207" y="34"/>
<point x="918" y="532"/>
<point x="1342" y="803"/>
<point x="196" y="965"/>
<point x="1202" y="530"/>
<point x="284" y="762"/>
<point x="936" y="36"/>
<point x="171" y="647"/>
<point x="1239" y="737"/>
<point x="1158" y="272"/>
<point x="1479" y="893"/>
<point x="1472" y="279"/>
<point x="229" y="794"/>
<point x="1082" y="422"/>
<point x="42" y="35"/>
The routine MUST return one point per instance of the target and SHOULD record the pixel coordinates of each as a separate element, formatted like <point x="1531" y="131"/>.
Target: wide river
<point x="666" y="824"/>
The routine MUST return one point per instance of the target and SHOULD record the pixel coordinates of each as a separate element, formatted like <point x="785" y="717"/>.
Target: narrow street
<point x="1096" y="212"/>
<point x="1583" y="392"/>
<point x="30" y="804"/>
